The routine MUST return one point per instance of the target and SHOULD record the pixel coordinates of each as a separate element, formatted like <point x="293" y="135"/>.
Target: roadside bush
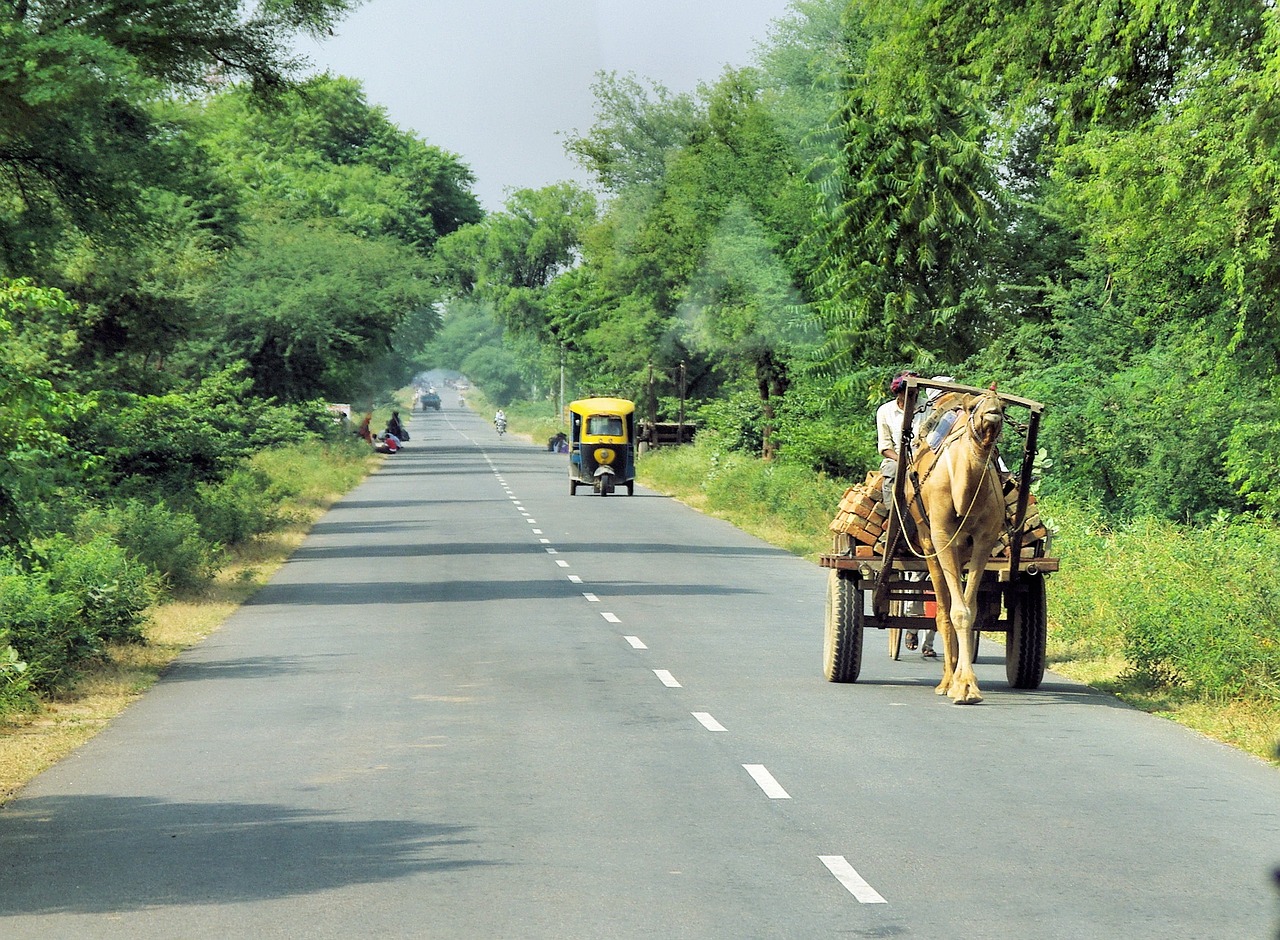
<point x="168" y="543"/>
<point x="1194" y="608"/>
<point x="15" y="680"/>
<point x="235" y="510"/>
<point x="114" y="591"/>
<point x="737" y="422"/>
<point x="45" y="628"/>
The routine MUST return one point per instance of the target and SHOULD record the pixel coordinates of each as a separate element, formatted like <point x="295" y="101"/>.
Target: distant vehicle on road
<point x="431" y="400"/>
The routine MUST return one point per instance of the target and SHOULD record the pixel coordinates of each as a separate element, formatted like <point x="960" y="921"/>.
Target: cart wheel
<point x="1024" y="644"/>
<point x="895" y="643"/>
<point x="842" y="644"/>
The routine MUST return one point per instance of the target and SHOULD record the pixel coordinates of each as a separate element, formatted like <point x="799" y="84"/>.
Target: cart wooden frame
<point x="870" y="592"/>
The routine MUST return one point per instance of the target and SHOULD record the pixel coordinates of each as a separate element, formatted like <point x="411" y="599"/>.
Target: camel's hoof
<point x="965" y="694"/>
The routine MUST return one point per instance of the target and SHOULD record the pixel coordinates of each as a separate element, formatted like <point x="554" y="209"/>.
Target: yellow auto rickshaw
<point x="602" y="445"/>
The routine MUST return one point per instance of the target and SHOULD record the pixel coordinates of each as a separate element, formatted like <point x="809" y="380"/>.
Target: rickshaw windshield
<point x="604" y="426"/>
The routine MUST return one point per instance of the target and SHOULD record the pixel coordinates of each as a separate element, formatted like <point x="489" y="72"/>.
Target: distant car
<point x="431" y="400"/>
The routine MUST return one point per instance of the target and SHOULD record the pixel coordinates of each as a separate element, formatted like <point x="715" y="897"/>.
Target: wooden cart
<point x="868" y="589"/>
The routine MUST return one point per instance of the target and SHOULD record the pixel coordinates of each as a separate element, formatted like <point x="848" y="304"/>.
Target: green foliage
<point x="114" y="591"/>
<point x="169" y="543"/>
<point x="1192" y="607"/>
<point x="311" y="309"/>
<point x="79" y="147"/>
<point x="736" y="423"/>
<point x="32" y="410"/>
<point x="66" y="602"/>
<point x="817" y="431"/>
<point x="15" y="680"/>
<point x="237" y="508"/>
<point x="637" y="128"/>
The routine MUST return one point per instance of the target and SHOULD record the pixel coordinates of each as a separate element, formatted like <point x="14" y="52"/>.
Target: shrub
<point x="113" y="591"/>
<point x="168" y="543"/>
<point x="235" y="510"/>
<point x="45" y="628"/>
<point x="15" y="680"/>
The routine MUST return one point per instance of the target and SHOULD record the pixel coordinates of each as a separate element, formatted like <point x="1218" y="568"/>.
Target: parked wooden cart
<point x="875" y="574"/>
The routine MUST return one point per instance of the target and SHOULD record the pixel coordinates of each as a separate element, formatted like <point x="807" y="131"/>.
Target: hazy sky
<point x="498" y="81"/>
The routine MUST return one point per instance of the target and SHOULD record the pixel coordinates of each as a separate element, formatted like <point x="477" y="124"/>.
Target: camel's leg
<point x="964" y="686"/>
<point x="943" y="595"/>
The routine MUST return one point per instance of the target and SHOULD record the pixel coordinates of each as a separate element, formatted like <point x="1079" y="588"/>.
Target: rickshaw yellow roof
<point x="598" y="406"/>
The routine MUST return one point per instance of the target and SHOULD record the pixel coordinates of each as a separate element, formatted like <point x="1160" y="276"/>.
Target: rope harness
<point x="918" y="514"/>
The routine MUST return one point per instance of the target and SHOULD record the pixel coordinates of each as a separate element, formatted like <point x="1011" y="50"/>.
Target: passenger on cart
<point x="889" y="421"/>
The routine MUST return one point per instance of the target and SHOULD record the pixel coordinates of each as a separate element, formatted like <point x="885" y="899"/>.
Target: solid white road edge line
<point x="772" y="789"/>
<point x="705" y="719"/>
<point x="853" y="882"/>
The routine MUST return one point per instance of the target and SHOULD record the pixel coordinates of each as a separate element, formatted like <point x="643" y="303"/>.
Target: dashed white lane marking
<point x="840" y="867"/>
<point x="636" y="642"/>
<point x="591" y="597"/>
<point x="552" y="551"/>
<point x="543" y="541"/>
<point x="705" y="719"/>
<point x="575" y="579"/>
<point x="531" y="521"/>
<point x="539" y="532"/>
<point x="667" y="679"/>
<point x="612" y="618"/>
<point x="562" y="563"/>
<point x="772" y="789"/>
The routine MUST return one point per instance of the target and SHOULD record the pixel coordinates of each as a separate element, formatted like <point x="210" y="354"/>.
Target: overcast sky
<point x="499" y="81"/>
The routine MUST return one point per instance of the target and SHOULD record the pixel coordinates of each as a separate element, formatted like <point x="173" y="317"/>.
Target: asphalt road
<point x="471" y="706"/>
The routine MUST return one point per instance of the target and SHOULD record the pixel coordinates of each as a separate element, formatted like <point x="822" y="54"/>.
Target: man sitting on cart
<point x="889" y="422"/>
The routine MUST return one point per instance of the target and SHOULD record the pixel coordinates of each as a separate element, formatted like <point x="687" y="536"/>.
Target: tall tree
<point x="78" y="146"/>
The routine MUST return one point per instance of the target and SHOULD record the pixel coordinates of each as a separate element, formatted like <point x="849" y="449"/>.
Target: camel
<point x="958" y="488"/>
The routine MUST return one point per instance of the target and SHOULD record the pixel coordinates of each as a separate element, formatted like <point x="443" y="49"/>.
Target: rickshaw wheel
<point x="573" y="487"/>
<point x="631" y="487"/>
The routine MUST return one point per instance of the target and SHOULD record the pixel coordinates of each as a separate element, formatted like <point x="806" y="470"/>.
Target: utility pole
<point x="560" y="411"/>
<point x="680" y="431"/>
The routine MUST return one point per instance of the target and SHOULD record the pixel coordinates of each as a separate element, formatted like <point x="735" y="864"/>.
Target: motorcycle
<point x="501" y="425"/>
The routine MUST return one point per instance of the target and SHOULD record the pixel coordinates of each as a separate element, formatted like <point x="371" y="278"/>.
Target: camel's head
<point x="986" y="415"/>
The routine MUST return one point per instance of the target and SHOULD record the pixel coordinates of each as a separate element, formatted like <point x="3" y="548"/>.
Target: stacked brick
<point x="861" y="521"/>
<point x="1033" y="527"/>
<point x="862" y="518"/>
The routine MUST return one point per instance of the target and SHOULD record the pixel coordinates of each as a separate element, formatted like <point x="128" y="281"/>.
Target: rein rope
<point x="973" y="500"/>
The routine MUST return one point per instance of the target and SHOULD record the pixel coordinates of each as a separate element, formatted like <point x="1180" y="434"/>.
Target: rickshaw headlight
<point x="605" y="455"/>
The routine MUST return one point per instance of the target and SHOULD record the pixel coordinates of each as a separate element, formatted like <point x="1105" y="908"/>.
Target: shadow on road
<point x="310" y="594"/>
<point x="129" y="853"/>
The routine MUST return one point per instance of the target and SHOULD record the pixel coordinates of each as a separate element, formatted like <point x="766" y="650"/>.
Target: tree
<point x="313" y="310"/>
<point x="511" y="258"/>
<point x="636" y="129"/>
<point x="78" y="142"/>
<point x="33" y="411"/>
